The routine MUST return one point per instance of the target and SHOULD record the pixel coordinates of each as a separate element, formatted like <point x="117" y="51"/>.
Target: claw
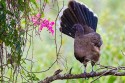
<point x="92" y="73"/>
<point x="85" y="75"/>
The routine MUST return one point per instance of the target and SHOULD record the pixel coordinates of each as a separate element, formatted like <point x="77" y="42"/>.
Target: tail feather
<point x="74" y="7"/>
<point x="67" y="31"/>
<point x="77" y="13"/>
<point x="69" y="13"/>
<point x="95" y="20"/>
<point x="67" y="21"/>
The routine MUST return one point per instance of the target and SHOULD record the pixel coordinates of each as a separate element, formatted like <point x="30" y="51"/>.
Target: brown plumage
<point x="80" y="23"/>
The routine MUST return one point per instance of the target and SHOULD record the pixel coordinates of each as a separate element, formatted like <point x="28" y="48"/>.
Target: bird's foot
<point x="85" y="75"/>
<point x="92" y="73"/>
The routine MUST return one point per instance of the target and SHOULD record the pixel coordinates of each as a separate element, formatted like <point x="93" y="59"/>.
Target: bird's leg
<point x="85" y="74"/>
<point x="92" y="72"/>
<point x="85" y="68"/>
<point x="92" y="63"/>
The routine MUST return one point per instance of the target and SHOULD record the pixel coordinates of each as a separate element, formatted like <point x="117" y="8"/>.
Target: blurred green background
<point x="111" y="26"/>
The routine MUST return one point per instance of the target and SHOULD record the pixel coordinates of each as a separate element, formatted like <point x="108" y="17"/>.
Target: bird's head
<point x="78" y="28"/>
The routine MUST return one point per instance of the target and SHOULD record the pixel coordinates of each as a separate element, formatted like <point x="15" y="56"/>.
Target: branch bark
<point x="58" y="76"/>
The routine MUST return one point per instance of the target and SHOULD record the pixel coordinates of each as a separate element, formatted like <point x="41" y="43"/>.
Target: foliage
<point x="10" y="32"/>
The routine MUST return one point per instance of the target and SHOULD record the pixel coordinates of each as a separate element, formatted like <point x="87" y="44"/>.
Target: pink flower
<point x="37" y="0"/>
<point x="42" y="23"/>
<point x="51" y="30"/>
<point x="36" y="19"/>
<point x="41" y="27"/>
<point x="51" y="23"/>
<point x="38" y="15"/>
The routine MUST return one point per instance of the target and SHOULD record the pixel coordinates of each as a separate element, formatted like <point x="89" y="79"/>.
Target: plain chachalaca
<point x="80" y="23"/>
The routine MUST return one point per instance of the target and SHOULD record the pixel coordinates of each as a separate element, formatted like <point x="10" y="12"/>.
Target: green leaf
<point x="111" y="79"/>
<point x="42" y="15"/>
<point x="47" y="1"/>
<point x="9" y="12"/>
<point x="23" y="61"/>
<point x="34" y="2"/>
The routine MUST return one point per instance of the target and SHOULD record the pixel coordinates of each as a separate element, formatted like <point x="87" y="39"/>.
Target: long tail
<point x="77" y="13"/>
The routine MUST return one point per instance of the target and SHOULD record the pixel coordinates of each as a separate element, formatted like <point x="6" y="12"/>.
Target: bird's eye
<point x="94" y="40"/>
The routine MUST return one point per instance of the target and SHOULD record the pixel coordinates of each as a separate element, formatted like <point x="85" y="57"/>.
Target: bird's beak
<point x="97" y="49"/>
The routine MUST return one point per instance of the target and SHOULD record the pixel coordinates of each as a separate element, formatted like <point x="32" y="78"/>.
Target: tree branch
<point x="114" y="72"/>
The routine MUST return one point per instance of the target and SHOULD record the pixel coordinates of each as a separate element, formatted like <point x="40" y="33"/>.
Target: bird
<point x="80" y="23"/>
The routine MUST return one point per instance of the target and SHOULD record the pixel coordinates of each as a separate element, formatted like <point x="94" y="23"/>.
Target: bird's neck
<point x="79" y="32"/>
